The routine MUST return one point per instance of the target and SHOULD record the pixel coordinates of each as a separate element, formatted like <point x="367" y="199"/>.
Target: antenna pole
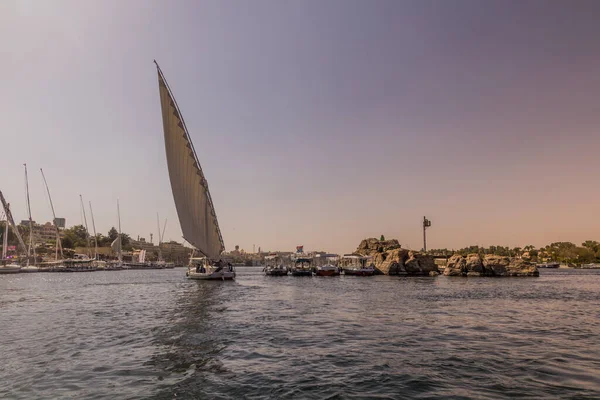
<point x="426" y="224"/>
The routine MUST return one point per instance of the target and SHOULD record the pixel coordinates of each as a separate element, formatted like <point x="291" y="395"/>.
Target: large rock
<point x="490" y="265"/>
<point x="495" y="265"/>
<point x="520" y="267"/>
<point x="474" y="263"/>
<point x="390" y="259"/>
<point x="370" y="246"/>
<point x="391" y="262"/>
<point x="456" y="266"/>
<point x="419" y="264"/>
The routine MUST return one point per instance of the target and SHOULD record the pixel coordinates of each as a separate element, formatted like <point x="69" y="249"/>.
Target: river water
<point x="154" y="334"/>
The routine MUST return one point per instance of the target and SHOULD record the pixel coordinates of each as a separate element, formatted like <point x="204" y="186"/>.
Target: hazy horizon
<point x="316" y="123"/>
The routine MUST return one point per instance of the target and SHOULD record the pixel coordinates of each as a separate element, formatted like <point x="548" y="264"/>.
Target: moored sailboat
<point x="193" y="202"/>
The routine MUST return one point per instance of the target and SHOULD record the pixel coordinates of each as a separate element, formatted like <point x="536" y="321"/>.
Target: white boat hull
<point x="217" y="275"/>
<point x="10" y="269"/>
<point x="30" y="268"/>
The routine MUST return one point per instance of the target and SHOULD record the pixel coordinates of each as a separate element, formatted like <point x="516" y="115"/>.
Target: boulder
<point x="369" y="247"/>
<point x="391" y="262"/>
<point x="474" y="263"/>
<point x="520" y="267"/>
<point x="456" y="266"/>
<point x="495" y="265"/>
<point x="420" y="264"/>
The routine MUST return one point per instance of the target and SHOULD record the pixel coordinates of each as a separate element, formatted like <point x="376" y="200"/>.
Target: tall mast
<point x="58" y="241"/>
<point x="162" y="235"/>
<point x="95" y="236"/>
<point x="31" y="244"/>
<point x="87" y="235"/>
<point x="119" y="215"/>
<point x="5" y="238"/>
<point x="11" y="221"/>
<point x="159" y="238"/>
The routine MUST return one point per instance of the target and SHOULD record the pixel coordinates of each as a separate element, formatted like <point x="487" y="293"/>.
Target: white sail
<point x="116" y="246"/>
<point x="190" y="190"/>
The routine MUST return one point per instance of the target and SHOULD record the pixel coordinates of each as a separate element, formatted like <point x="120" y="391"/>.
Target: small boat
<point x="357" y="265"/>
<point x="302" y="266"/>
<point x="10" y="269"/>
<point x="327" y="270"/>
<point x="549" y="265"/>
<point x="274" y="266"/>
<point x="200" y="268"/>
<point x="330" y="268"/>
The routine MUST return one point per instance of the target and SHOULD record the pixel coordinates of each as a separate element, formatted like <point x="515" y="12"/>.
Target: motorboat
<point x="302" y="266"/>
<point x="357" y="265"/>
<point x="274" y="266"/>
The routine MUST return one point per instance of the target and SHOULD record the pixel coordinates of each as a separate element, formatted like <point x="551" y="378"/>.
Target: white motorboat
<point x="193" y="202"/>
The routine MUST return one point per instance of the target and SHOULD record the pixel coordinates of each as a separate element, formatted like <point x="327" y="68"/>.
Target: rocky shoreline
<point x="389" y="258"/>
<point x="489" y="265"/>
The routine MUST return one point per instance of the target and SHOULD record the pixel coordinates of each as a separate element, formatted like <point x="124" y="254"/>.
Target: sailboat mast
<point x="31" y="244"/>
<point x="11" y="220"/>
<point x="5" y="239"/>
<point x="87" y="235"/>
<point x="95" y="235"/>
<point x="58" y="240"/>
<point x="159" y="238"/>
<point x="162" y="235"/>
<point x="119" y="215"/>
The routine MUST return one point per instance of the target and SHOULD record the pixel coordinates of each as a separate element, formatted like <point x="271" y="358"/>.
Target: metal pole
<point x="95" y="235"/>
<point x="87" y="234"/>
<point x="58" y="241"/>
<point x="31" y="245"/>
<point x="424" y="234"/>
<point x="119" y="215"/>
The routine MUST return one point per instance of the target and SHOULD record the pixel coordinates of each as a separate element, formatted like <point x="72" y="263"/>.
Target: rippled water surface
<point x="153" y="334"/>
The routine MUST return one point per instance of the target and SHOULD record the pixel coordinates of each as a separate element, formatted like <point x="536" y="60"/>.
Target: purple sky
<point x="316" y="122"/>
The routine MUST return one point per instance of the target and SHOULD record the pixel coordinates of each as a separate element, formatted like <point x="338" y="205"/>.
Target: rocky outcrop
<point x="490" y="265"/>
<point x="390" y="258"/>
<point x="369" y="247"/>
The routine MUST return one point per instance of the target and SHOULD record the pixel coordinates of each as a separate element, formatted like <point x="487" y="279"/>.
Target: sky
<point x="317" y="123"/>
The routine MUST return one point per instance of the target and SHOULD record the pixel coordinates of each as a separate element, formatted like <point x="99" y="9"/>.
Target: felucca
<point x="194" y="205"/>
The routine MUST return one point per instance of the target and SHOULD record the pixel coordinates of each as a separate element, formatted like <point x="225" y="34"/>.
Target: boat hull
<point x="301" y="272"/>
<point x="214" y="276"/>
<point x="10" y="269"/>
<point x="276" y="272"/>
<point x="327" y="272"/>
<point x="359" y="272"/>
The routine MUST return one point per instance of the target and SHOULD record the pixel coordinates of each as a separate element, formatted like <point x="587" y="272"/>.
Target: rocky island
<point x="390" y="258"/>
<point x="489" y="265"/>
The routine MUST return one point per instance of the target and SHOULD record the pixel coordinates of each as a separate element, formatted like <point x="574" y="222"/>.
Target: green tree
<point x="112" y="234"/>
<point x="382" y="238"/>
<point x="592" y="245"/>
